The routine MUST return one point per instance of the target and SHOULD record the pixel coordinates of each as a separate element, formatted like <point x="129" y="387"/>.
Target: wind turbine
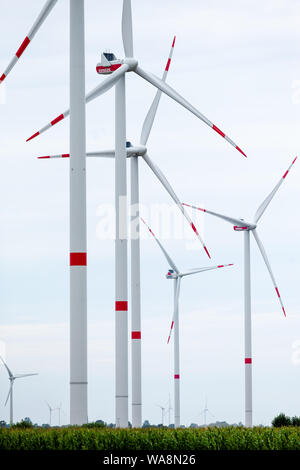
<point x="162" y="413"/>
<point x="78" y="246"/>
<point x="133" y="152"/>
<point x="177" y="275"/>
<point x="205" y="411"/>
<point x="240" y="225"/>
<point x="12" y="379"/>
<point x="117" y="79"/>
<point x="50" y="412"/>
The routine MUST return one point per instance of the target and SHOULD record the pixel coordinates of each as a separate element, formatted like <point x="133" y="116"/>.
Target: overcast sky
<point x="238" y="63"/>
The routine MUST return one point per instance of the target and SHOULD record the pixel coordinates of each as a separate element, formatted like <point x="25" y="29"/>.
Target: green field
<point x="76" y="438"/>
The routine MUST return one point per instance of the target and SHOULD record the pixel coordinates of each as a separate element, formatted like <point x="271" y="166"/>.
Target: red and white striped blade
<point x="167" y="256"/>
<point x="97" y="91"/>
<point x="159" y="174"/>
<point x="36" y="26"/>
<point x="265" y="258"/>
<point x="62" y="155"/>
<point x="176" y="306"/>
<point x="269" y="198"/>
<point x="148" y="123"/>
<point x="158" y="83"/>
<point x="231" y="220"/>
<point x="201" y="270"/>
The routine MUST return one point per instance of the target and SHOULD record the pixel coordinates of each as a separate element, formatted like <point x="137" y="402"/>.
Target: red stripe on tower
<point x="121" y="305"/>
<point x="135" y="335"/>
<point x="176" y="376"/>
<point x="22" y="47"/>
<point x="78" y="259"/>
<point x="248" y="360"/>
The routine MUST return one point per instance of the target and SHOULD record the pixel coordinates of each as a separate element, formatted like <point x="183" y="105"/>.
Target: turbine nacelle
<point x="245" y="226"/>
<point x="109" y="63"/>
<point x="171" y="274"/>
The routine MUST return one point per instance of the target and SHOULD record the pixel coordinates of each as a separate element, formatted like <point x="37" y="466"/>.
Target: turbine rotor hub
<point x="131" y="62"/>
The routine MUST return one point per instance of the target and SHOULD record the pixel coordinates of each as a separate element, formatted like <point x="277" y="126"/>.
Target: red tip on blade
<point x="168" y="340"/>
<point x="277" y="291"/>
<point x="168" y="65"/>
<point x="221" y="266"/>
<point x="241" y="151"/>
<point x="47" y="156"/>
<point x="293" y="160"/>
<point x="65" y="155"/>
<point x="174" y="41"/>
<point x="284" y="311"/>
<point x="33" y="136"/>
<point x="3" y="76"/>
<point x="206" y="251"/>
<point x="22" y="47"/>
<point x="231" y="264"/>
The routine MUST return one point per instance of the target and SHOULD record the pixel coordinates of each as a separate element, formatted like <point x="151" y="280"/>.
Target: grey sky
<point x="237" y="62"/>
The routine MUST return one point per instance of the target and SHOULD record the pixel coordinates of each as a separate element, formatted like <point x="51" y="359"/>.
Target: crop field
<point x="77" y="438"/>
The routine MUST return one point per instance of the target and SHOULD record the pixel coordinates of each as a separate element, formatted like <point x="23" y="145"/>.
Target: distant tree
<point x="193" y="425"/>
<point x="146" y="424"/>
<point x="25" y="423"/>
<point x="295" y="421"/>
<point x="281" y="420"/>
<point x="3" y="424"/>
<point x="95" y="424"/>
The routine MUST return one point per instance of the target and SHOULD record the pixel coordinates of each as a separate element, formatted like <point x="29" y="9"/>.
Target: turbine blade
<point x="127" y="28"/>
<point x="176" y="302"/>
<point x="20" y="376"/>
<point x="36" y="26"/>
<point x="108" y="83"/>
<point x="231" y="220"/>
<point x="101" y="154"/>
<point x="159" y="174"/>
<point x="9" y="392"/>
<point x="169" y="259"/>
<point x="269" y="198"/>
<point x="201" y="270"/>
<point x="158" y="83"/>
<point x="265" y="258"/>
<point x="6" y="367"/>
<point x="148" y="123"/>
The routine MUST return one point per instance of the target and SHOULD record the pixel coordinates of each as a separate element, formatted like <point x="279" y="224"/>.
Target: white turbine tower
<point x="78" y="251"/>
<point x="134" y="152"/>
<point x="175" y="274"/>
<point x="117" y="78"/>
<point x="240" y="225"/>
<point x="12" y="377"/>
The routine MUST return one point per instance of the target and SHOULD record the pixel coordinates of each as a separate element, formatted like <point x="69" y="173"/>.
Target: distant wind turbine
<point x="176" y="275"/>
<point x="240" y="225"/>
<point x="12" y="379"/>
